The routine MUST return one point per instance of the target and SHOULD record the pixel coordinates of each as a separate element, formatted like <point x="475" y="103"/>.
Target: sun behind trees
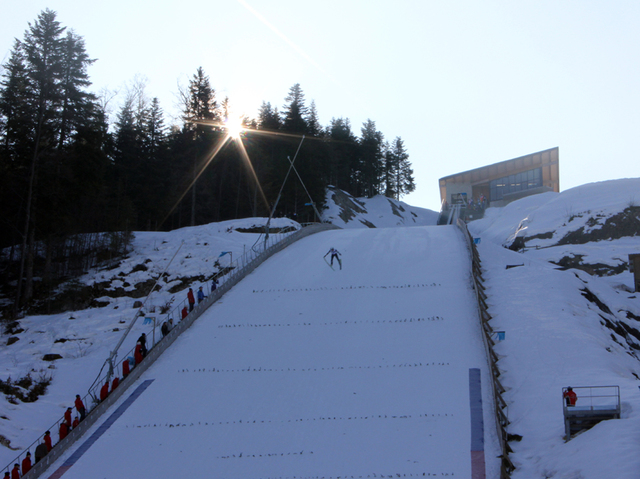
<point x="67" y="171"/>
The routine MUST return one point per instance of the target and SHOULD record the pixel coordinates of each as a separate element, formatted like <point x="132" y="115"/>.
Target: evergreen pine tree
<point x="390" y="172"/>
<point x="295" y="111"/>
<point x="78" y="108"/>
<point x="371" y="159"/>
<point x="16" y="134"/>
<point x="43" y="47"/>
<point x="199" y="106"/>
<point x="155" y="129"/>
<point x="268" y="117"/>
<point x="398" y="172"/>
<point x="200" y="99"/>
<point x="225" y="108"/>
<point x="405" y="183"/>
<point x="43" y="50"/>
<point x="16" y="119"/>
<point x="313" y="124"/>
<point x="344" y="155"/>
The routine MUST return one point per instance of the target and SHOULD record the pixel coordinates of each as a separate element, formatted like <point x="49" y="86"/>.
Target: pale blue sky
<point x="464" y="83"/>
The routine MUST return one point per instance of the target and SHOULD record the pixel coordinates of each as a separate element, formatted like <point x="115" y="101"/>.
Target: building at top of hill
<point x="506" y="181"/>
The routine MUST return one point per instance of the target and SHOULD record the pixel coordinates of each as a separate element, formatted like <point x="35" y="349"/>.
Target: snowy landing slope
<point x="302" y="371"/>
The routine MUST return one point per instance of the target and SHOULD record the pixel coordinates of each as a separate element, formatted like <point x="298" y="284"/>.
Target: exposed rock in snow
<point x="346" y="211"/>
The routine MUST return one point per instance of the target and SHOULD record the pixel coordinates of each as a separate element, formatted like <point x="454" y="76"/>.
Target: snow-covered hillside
<point x="574" y="323"/>
<point x="84" y="337"/>
<point x="346" y="211"/>
<point x="592" y="227"/>
<point x="565" y="303"/>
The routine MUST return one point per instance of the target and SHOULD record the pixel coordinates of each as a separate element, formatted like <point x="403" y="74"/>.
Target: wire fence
<point x="500" y="405"/>
<point x="97" y="399"/>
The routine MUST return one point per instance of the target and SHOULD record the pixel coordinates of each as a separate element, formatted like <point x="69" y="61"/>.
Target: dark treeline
<point x="64" y="172"/>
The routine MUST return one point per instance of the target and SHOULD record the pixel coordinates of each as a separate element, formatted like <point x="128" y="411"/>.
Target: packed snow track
<point x="301" y="371"/>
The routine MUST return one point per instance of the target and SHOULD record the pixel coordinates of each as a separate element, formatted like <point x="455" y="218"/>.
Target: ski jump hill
<point x="303" y="371"/>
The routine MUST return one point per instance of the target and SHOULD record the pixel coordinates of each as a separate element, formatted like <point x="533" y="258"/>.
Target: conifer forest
<point x="80" y="170"/>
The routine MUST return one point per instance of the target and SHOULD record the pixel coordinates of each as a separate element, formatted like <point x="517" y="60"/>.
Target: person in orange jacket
<point x="47" y="441"/>
<point x="570" y="397"/>
<point x="64" y="430"/>
<point x="67" y="416"/>
<point x="104" y="391"/>
<point x="26" y="463"/>
<point x="80" y="407"/>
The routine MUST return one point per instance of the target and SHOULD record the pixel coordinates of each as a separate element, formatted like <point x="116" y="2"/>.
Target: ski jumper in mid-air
<point x="334" y="254"/>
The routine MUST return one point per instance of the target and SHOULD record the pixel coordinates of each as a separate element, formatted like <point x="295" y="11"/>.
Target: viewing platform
<point x="592" y="405"/>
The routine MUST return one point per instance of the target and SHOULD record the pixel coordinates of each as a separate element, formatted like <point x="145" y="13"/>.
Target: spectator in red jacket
<point x="192" y="299"/>
<point x="76" y="422"/>
<point x="570" y="397"/>
<point x="67" y="416"/>
<point x="125" y="368"/>
<point x="26" y="463"/>
<point x="47" y="441"/>
<point x="104" y="391"/>
<point x="115" y="383"/>
<point x="15" y="472"/>
<point x="64" y="430"/>
<point x="138" y="353"/>
<point x="184" y="312"/>
<point x="80" y="407"/>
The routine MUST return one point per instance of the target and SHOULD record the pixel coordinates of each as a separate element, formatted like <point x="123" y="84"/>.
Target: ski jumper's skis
<point x="328" y="264"/>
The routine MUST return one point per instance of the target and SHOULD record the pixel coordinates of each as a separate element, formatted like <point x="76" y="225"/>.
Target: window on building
<point x="513" y="183"/>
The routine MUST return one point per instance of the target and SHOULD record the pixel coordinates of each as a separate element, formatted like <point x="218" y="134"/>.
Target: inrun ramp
<point x="303" y="371"/>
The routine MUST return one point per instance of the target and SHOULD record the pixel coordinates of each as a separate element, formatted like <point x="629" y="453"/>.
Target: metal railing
<point x="594" y="398"/>
<point x="500" y="405"/>
<point x="585" y="406"/>
<point x="250" y="259"/>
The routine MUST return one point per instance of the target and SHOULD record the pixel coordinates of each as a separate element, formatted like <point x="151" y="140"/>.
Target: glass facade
<point x="518" y="182"/>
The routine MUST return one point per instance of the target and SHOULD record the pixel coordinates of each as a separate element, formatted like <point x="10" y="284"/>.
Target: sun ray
<point x="252" y="171"/>
<point x="235" y="131"/>
<point x="286" y="39"/>
<point x="209" y="158"/>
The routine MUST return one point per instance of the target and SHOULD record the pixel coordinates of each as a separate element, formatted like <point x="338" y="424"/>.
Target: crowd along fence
<point x="241" y="267"/>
